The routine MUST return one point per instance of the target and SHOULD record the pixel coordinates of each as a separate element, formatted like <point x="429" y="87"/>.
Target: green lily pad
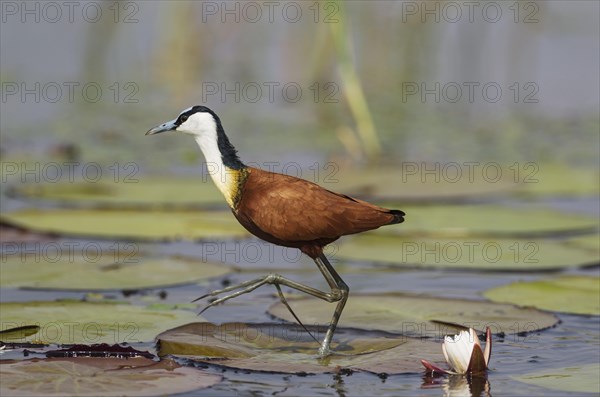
<point x="581" y="379"/>
<point x="68" y="322"/>
<point x="590" y="242"/>
<point x="499" y="254"/>
<point x="137" y="272"/>
<point x="411" y="182"/>
<point x="129" y="224"/>
<point x="560" y="180"/>
<point x="287" y="348"/>
<point x="18" y="332"/>
<point x="128" y="192"/>
<point x="437" y="182"/>
<point x="419" y="315"/>
<point x="106" y="376"/>
<point x="567" y="294"/>
<point x="487" y="221"/>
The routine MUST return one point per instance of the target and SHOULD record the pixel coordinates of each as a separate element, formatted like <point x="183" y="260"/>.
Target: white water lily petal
<point x="459" y="350"/>
<point x="462" y="355"/>
<point x="487" y="353"/>
<point x="474" y="337"/>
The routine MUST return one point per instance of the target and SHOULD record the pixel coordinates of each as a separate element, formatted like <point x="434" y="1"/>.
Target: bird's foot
<point x="243" y="288"/>
<point x="324" y="351"/>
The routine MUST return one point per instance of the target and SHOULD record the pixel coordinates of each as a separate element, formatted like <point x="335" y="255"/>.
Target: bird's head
<point x="197" y="121"/>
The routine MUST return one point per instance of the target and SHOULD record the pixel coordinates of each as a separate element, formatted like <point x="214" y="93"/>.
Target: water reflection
<point x="458" y="385"/>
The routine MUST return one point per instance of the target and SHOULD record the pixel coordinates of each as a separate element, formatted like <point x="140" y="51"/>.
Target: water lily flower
<point x="464" y="354"/>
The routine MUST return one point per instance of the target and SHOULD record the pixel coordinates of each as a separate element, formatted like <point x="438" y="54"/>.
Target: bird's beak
<point x="168" y="126"/>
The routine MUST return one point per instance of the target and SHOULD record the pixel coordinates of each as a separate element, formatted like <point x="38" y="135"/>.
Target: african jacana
<point x="280" y="209"/>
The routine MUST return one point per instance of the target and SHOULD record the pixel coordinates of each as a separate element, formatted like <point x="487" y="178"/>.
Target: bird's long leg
<point x="339" y="292"/>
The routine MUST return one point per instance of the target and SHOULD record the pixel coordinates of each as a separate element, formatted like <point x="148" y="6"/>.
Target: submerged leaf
<point x="129" y="224"/>
<point x="567" y="294"/>
<point x="99" y="350"/>
<point x="70" y="322"/>
<point x="288" y="349"/>
<point x="420" y="315"/>
<point x="100" y="376"/>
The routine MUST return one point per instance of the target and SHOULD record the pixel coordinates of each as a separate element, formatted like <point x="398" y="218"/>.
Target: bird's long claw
<point x="244" y="285"/>
<point x="248" y="288"/>
<point x="202" y="297"/>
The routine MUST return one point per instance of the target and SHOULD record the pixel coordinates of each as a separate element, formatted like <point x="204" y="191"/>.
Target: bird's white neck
<point x="224" y="177"/>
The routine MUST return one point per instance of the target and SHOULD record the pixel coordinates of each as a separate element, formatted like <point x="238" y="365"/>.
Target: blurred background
<point x="364" y="81"/>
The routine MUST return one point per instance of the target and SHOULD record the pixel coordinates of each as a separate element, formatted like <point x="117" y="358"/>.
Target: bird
<point x="282" y="210"/>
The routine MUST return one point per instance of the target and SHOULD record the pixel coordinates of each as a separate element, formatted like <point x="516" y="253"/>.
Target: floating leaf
<point x="589" y="242"/>
<point x="69" y="322"/>
<point x="559" y="180"/>
<point x="128" y="192"/>
<point x="438" y="182"/>
<point x="288" y="349"/>
<point x="100" y="376"/>
<point x="15" y="236"/>
<point x="580" y="379"/>
<point x="488" y="221"/>
<point x="129" y="225"/>
<point x="406" y="182"/>
<point x="500" y="254"/>
<point x="567" y="294"/>
<point x="419" y="315"/>
<point x="133" y="273"/>
<point x="19" y="333"/>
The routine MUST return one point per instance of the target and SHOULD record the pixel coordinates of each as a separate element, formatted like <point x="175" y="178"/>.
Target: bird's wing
<point x="292" y="209"/>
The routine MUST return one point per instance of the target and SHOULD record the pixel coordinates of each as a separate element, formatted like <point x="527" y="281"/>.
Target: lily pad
<point x="287" y="348"/>
<point x="127" y="192"/>
<point x="411" y="182"/>
<point x="419" y="315"/>
<point x="18" y="332"/>
<point x="580" y="379"/>
<point x="499" y="254"/>
<point x="487" y="221"/>
<point x="438" y="182"/>
<point x="567" y="294"/>
<point x="589" y="242"/>
<point x="69" y="322"/>
<point x="105" y="376"/>
<point x="14" y="236"/>
<point x="129" y="224"/>
<point x="560" y="180"/>
<point x="137" y="272"/>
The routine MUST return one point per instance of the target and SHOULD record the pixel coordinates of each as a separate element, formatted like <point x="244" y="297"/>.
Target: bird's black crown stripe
<point x="228" y="151"/>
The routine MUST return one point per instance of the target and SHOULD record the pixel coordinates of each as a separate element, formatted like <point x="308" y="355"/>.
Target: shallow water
<point x="572" y="342"/>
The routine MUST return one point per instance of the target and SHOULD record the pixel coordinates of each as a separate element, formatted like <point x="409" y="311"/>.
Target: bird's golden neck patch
<point x="230" y="183"/>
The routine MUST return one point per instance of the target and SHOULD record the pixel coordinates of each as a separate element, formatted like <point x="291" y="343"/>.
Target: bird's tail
<point x="398" y="216"/>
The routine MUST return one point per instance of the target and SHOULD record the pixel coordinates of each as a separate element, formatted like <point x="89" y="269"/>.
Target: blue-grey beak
<point x="168" y="126"/>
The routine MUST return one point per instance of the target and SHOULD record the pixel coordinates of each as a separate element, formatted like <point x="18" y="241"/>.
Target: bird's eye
<point x="183" y="118"/>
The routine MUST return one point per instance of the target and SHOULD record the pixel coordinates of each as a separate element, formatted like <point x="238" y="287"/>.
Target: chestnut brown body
<point x="294" y="212"/>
